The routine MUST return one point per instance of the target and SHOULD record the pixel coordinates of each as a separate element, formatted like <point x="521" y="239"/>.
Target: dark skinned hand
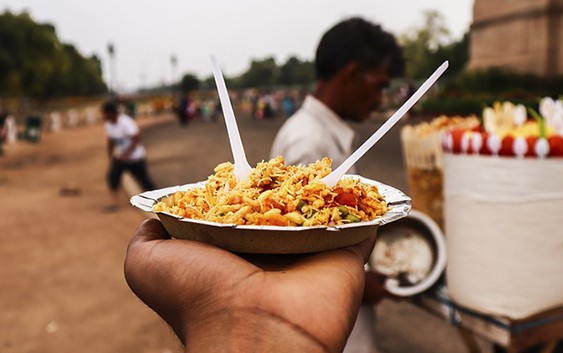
<point x="218" y="301"/>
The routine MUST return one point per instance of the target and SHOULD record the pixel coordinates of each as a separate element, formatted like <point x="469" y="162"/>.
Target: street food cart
<point x="496" y="190"/>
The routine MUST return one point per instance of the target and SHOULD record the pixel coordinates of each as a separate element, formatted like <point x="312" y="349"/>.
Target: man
<point x="125" y="151"/>
<point x="354" y="63"/>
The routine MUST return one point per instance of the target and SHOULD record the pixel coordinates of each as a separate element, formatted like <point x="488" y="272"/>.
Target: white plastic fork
<point x="336" y="174"/>
<point x="242" y="168"/>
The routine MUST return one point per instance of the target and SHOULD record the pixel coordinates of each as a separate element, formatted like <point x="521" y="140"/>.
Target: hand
<point x="216" y="300"/>
<point x="374" y="290"/>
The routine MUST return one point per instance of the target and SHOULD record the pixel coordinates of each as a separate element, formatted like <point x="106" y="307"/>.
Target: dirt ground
<point x="61" y="254"/>
<point x="61" y="275"/>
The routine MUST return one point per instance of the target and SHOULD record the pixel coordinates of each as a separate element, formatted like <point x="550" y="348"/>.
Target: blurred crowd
<point x="261" y="104"/>
<point x="28" y="121"/>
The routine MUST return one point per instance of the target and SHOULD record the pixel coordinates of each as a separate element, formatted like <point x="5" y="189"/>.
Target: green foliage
<point x="266" y="74"/>
<point x="189" y="82"/>
<point x="466" y="105"/>
<point x="425" y="48"/>
<point x="507" y="83"/>
<point x="209" y="83"/>
<point x="262" y="73"/>
<point x="471" y="91"/>
<point x="296" y="72"/>
<point x="466" y="92"/>
<point x="457" y="53"/>
<point x="33" y="62"/>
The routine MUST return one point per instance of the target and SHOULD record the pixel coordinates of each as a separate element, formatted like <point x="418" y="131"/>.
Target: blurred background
<point x="62" y="287"/>
<point x="62" y="56"/>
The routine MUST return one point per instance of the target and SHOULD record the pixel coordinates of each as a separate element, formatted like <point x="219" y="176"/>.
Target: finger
<point x="362" y="250"/>
<point x="374" y="289"/>
<point x="376" y="277"/>
<point x="344" y="265"/>
<point x="366" y="247"/>
<point x="136" y="255"/>
<point x="273" y="262"/>
<point x="151" y="247"/>
<point x="149" y="230"/>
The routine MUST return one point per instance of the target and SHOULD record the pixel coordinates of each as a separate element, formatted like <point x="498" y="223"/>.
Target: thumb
<point x="149" y="230"/>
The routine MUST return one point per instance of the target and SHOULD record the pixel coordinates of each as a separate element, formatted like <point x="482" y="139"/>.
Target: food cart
<point x="496" y="189"/>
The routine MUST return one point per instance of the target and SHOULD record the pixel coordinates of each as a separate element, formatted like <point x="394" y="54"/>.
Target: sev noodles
<point x="278" y="195"/>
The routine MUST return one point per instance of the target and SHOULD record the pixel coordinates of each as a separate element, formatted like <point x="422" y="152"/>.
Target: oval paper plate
<point x="274" y="239"/>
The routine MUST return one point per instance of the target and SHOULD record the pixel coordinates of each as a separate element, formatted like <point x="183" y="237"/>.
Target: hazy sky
<point x="146" y="34"/>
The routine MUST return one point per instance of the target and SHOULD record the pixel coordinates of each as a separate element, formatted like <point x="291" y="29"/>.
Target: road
<point x="180" y="155"/>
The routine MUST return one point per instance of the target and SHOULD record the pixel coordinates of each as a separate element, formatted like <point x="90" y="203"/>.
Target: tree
<point x="189" y="82"/>
<point x="262" y="73"/>
<point x="75" y="75"/>
<point x="28" y="53"/>
<point x="33" y="62"/>
<point x="296" y="72"/>
<point x="428" y="46"/>
<point x="456" y="52"/>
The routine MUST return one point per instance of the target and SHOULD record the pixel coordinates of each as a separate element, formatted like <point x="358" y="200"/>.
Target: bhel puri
<point x="276" y="194"/>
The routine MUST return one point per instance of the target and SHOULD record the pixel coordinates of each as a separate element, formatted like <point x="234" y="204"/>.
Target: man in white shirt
<point x="354" y="62"/>
<point x="125" y="151"/>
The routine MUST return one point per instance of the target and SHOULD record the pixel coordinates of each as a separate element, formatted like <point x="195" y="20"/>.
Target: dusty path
<point x="62" y="287"/>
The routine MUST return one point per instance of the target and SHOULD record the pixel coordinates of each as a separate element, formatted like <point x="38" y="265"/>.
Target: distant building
<point x="523" y="35"/>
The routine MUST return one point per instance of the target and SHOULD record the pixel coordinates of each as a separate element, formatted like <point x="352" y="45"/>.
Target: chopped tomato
<point x="345" y="198"/>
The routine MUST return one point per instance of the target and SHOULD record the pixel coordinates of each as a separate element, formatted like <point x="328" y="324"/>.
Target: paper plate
<point x="273" y="239"/>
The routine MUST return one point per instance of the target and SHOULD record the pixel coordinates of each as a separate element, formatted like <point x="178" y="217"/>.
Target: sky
<point x="148" y="34"/>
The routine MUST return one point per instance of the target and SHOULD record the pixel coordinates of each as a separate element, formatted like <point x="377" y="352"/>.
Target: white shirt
<point x="314" y="132"/>
<point x="121" y="134"/>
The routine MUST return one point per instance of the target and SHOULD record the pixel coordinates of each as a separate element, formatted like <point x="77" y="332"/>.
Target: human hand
<point x="375" y="291"/>
<point x="216" y="300"/>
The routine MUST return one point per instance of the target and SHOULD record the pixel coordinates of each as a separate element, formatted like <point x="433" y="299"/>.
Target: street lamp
<point x="174" y="65"/>
<point x="112" y="73"/>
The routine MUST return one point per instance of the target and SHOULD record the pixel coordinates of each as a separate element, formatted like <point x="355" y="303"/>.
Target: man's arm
<point x="135" y="139"/>
<point x="131" y="130"/>
<point x="110" y="146"/>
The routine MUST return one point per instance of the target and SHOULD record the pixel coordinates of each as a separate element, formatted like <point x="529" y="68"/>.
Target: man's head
<point x="355" y="61"/>
<point x="110" y="111"/>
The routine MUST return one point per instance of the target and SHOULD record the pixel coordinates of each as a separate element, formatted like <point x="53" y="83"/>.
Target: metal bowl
<point x="416" y="224"/>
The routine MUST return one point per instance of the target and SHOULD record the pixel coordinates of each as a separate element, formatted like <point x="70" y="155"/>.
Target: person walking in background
<point x="260" y="107"/>
<point x="125" y="151"/>
<point x="182" y="109"/>
<point x="354" y="62"/>
<point x="288" y="104"/>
